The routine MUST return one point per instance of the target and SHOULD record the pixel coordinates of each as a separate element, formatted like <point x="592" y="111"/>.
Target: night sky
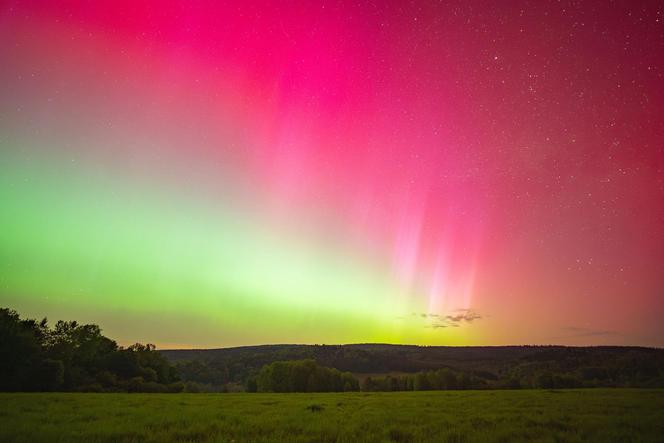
<point x="198" y="174"/>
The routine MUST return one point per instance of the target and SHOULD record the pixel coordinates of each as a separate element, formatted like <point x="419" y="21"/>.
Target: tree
<point x="421" y="382"/>
<point x="448" y="380"/>
<point x="74" y="357"/>
<point x="350" y="383"/>
<point x="48" y="375"/>
<point x="368" y="385"/>
<point x="465" y="381"/>
<point x="302" y="376"/>
<point x="544" y="381"/>
<point x="252" y="385"/>
<point x="20" y="349"/>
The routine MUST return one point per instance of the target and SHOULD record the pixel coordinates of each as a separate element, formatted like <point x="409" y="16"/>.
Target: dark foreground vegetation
<point x="74" y="357"/>
<point x="595" y="415"/>
<point x="397" y="367"/>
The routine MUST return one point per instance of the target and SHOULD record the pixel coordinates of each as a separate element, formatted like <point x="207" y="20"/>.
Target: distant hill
<point x="596" y="365"/>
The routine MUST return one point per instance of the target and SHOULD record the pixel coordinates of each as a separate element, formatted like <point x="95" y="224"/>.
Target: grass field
<point x="600" y="415"/>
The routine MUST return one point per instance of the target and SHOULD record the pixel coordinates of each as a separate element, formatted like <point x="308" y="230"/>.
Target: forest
<point x="383" y="367"/>
<point x="70" y="356"/>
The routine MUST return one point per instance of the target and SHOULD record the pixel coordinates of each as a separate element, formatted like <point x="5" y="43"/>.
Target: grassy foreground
<point x="600" y="415"/>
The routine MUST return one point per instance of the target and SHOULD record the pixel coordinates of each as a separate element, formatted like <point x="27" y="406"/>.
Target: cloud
<point x="436" y="326"/>
<point x="457" y="318"/>
<point x="465" y="316"/>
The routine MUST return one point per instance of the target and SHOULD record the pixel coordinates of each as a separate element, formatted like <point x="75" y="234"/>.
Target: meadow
<point x="601" y="415"/>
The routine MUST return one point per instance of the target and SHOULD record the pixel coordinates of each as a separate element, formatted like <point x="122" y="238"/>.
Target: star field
<point x="226" y="173"/>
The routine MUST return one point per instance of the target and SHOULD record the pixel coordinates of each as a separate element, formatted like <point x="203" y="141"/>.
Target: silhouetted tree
<point x="75" y="357"/>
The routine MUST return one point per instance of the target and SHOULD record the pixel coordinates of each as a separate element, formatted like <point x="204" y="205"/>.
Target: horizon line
<point x="413" y="345"/>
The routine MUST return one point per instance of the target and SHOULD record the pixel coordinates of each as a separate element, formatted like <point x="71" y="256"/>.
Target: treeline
<point x="307" y="376"/>
<point x="198" y="376"/>
<point x="540" y="378"/>
<point x="74" y="357"/>
<point x="441" y="379"/>
<point x="301" y="376"/>
<point x="484" y="367"/>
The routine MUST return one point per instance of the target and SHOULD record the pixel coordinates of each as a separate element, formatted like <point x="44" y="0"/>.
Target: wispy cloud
<point x="466" y="316"/>
<point x="457" y="318"/>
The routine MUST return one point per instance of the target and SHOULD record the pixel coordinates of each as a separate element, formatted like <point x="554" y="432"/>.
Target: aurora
<point x="226" y="174"/>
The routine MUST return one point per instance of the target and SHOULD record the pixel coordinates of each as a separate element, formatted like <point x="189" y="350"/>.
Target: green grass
<point x="601" y="415"/>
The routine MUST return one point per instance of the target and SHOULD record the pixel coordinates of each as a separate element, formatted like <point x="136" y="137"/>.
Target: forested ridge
<point x="383" y="367"/>
<point x="70" y="356"/>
